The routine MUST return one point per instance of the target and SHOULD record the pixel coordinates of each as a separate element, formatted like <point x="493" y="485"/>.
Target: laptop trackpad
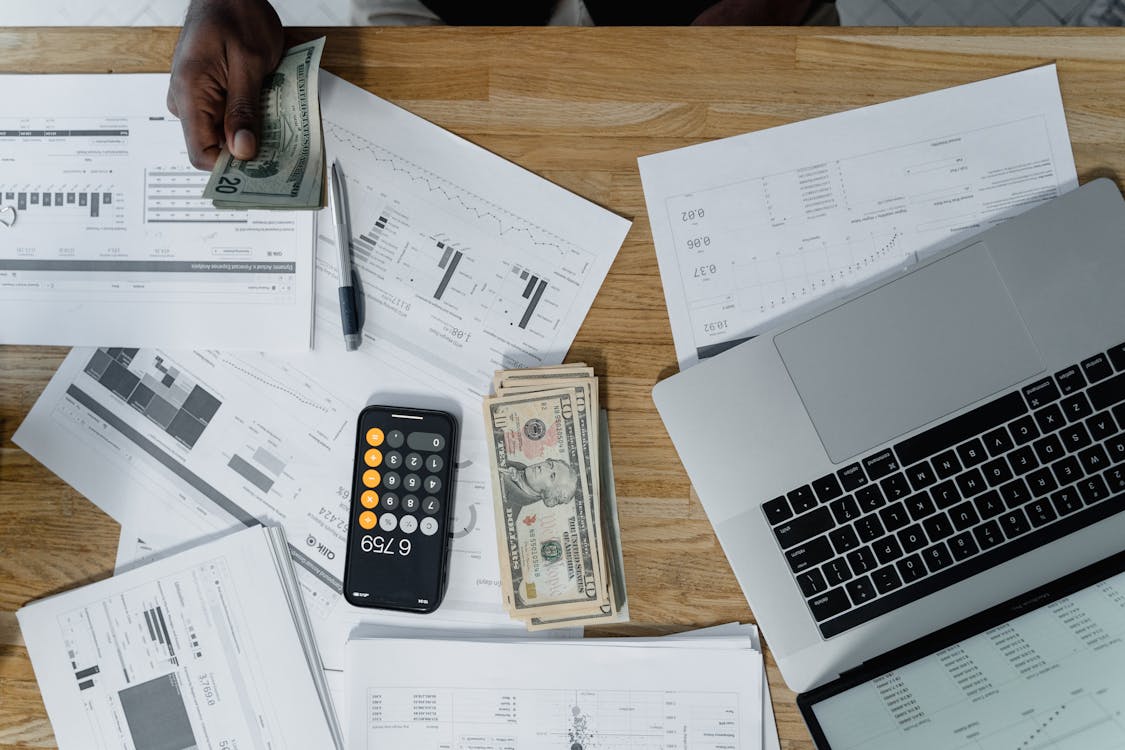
<point x="908" y="352"/>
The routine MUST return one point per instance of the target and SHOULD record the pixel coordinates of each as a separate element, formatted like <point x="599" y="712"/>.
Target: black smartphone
<point x="402" y="509"/>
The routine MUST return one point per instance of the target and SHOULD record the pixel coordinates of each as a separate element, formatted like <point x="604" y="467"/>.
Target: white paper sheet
<point x="276" y="442"/>
<point x="109" y="241"/>
<point x="198" y="650"/>
<point x="610" y="695"/>
<point x="749" y="227"/>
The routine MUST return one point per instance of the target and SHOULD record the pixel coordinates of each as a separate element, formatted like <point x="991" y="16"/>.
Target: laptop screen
<point x="1053" y="677"/>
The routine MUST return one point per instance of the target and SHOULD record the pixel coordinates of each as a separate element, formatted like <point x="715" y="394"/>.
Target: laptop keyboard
<point x="982" y="488"/>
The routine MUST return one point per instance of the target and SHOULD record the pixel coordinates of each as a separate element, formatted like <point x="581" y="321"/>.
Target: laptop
<point x="1042" y="670"/>
<point x="887" y="463"/>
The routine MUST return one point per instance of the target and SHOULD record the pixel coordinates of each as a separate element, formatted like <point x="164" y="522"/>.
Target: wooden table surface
<point x="577" y="106"/>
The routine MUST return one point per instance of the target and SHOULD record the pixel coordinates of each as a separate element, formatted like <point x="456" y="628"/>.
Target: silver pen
<point x="349" y="310"/>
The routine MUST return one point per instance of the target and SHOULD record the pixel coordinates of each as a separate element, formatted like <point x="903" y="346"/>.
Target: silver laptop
<point x="885" y="464"/>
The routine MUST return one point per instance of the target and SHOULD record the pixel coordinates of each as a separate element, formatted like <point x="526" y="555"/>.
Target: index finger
<point x="202" y="123"/>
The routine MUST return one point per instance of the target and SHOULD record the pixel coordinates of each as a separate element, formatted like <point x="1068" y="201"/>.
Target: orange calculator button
<point x="369" y="499"/>
<point x="371" y="478"/>
<point x="373" y="457"/>
<point x="375" y="436"/>
<point x="367" y="520"/>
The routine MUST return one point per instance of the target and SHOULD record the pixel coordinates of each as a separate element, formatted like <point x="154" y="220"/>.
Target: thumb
<point x="242" y="120"/>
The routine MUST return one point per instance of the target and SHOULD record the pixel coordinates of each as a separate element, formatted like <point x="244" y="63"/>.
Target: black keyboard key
<point x="911" y="568"/>
<point x="829" y="605"/>
<point x="1023" y="460"/>
<point x="777" y="510"/>
<point x="804" y="527"/>
<point x="861" y="591"/>
<point x="869" y="528"/>
<point x="887" y="550"/>
<point x="886" y="579"/>
<point x="1115" y="478"/>
<point x="961" y="428"/>
<point x="964" y="516"/>
<point x="1096" y="368"/>
<point x="1015" y="493"/>
<point x="1101" y="426"/>
<point x="1041" y="393"/>
<point x="921" y="476"/>
<point x="1112" y="391"/>
<point x="1067" y="470"/>
<point x="1077" y="406"/>
<point x="989" y="504"/>
<point x="1050" y="418"/>
<point x="811" y="583"/>
<point x="996" y="472"/>
<point x="1093" y="490"/>
<point x="1117" y="357"/>
<point x="1094" y="459"/>
<point x="894" y="516"/>
<point x="1014" y="523"/>
<point x="998" y="441"/>
<point x="812" y="553"/>
<point x="1024" y="430"/>
<point x="1066" y="501"/>
<point x="827" y="488"/>
<point x="881" y="464"/>
<point x="1076" y="437"/>
<point x="1116" y="448"/>
<point x="963" y="546"/>
<point x="1041" y="482"/>
<point x="947" y="464"/>
<point x="912" y="538"/>
<point x="988" y="535"/>
<point x="870" y="498"/>
<point x="843" y="539"/>
<point x="837" y="571"/>
<point x="1048" y="449"/>
<point x="945" y="494"/>
<point x="852" y="477"/>
<point x="862" y="561"/>
<point x="938" y="527"/>
<point x="937" y="557"/>
<point x="919" y="506"/>
<point x="1040" y="512"/>
<point x="895" y="487"/>
<point x="1070" y="380"/>
<point x="971" y="453"/>
<point x="971" y="483"/>
<point x="844" y="510"/>
<point x="802" y="499"/>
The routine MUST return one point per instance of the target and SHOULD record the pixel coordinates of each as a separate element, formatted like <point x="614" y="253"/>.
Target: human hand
<point x="225" y="51"/>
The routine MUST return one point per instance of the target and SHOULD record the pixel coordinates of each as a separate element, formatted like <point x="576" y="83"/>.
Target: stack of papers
<point x="207" y="648"/>
<point x="703" y="690"/>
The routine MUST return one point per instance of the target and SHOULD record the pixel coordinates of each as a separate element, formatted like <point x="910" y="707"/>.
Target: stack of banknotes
<point x="288" y="172"/>
<point x="552" y="489"/>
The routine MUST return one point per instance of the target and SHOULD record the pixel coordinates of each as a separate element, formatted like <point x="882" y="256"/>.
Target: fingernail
<point x="244" y="145"/>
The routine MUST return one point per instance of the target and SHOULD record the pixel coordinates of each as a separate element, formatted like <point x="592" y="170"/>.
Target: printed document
<point x="209" y="648"/>
<point x="748" y="228"/>
<point x="473" y="265"/>
<point x="104" y="238"/>
<point x="611" y="694"/>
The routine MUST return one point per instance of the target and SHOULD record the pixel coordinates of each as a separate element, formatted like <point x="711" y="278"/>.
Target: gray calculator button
<point x="392" y="460"/>
<point x="388" y="522"/>
<point x="395" y="438"/>
<point x="413" y="461"/>
<point x="426" y="441"/>
<point x="428" y="525"/>
<point x="430" y="506"/>
<point x="408" y="524"/>
<point x="434" y="463"/>
<point x="391" y="481"/>
<point x="389" y="501"/>
<point x="411" y="482"/>
<point x="433" y="484"/>
<point x="410" y="503"/>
